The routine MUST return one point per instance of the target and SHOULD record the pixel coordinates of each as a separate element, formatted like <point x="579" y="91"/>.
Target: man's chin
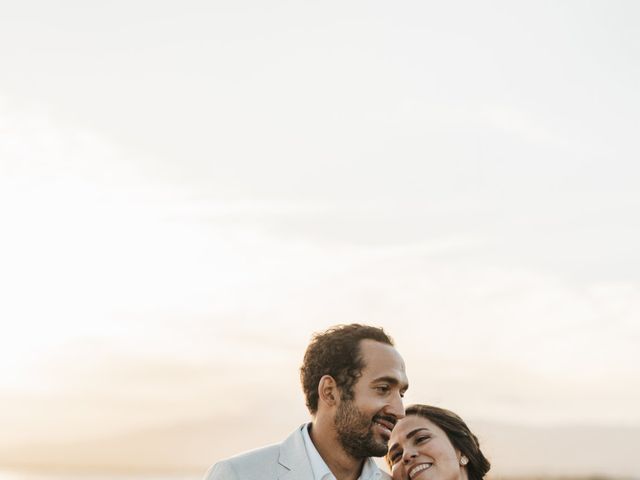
<point x="379" y="446"/>
<point x="368" y="449"/>
<point x="379" y="450"/>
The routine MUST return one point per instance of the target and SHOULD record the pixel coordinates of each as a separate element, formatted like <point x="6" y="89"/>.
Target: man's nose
<point x="396" y="407"/>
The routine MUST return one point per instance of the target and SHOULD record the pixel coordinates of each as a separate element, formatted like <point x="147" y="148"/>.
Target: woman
<point x="432" y="443"/>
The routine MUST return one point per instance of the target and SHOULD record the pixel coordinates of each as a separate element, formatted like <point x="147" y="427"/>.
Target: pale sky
<point x="189" y="190"/>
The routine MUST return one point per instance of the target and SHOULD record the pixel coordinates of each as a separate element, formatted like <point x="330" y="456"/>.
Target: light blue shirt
<point x="370" y="470"/>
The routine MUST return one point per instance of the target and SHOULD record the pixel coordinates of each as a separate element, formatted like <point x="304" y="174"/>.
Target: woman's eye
<point x="422" y="438"/>
<point x="395" y="457"/>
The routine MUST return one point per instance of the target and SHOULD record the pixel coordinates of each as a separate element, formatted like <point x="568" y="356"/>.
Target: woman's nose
<point x="409" y="455"/>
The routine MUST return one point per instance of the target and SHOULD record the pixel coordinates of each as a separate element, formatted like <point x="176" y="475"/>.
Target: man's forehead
<point x="381" y="359"/>
<point x="373" y="349"/>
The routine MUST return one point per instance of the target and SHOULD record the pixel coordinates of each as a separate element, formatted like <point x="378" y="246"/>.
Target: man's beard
<point x="355" y="432"/>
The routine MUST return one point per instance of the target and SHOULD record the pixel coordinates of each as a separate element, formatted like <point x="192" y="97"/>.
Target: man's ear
<point x="328" y="390"/>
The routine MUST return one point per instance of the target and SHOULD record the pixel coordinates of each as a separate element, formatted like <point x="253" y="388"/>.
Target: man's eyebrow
<point x="391" y="380"/>
<point x="387" y="379"/>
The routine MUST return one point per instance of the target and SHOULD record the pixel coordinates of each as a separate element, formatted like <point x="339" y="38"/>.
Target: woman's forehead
<point x="410" y="424"/>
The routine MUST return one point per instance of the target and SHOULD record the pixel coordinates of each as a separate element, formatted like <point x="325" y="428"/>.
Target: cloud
<point x="140" y="300"/>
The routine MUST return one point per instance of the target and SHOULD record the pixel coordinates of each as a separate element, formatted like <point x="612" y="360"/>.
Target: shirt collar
<point x="370" y="470"/>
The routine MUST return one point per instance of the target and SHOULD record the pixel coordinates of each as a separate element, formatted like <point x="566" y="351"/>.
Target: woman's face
<point x="420" y="450"/>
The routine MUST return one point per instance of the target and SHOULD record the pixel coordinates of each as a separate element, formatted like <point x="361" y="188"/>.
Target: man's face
<point x="364" y="423"/>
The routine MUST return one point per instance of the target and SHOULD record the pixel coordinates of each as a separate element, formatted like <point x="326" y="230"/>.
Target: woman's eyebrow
<point x="395" y="446"/>
<point x="416" y="430"/>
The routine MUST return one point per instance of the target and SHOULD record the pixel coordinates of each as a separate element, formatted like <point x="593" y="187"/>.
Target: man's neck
<point x="342" y="465"/>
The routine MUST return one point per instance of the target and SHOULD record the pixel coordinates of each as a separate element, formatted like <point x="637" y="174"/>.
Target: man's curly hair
<point x="336" y="352"/>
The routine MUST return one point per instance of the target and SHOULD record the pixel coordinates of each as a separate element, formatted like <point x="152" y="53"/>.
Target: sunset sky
<point x="189" y="190"/>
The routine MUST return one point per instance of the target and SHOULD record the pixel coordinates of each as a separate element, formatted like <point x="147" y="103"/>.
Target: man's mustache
<point x="387" y="420"/>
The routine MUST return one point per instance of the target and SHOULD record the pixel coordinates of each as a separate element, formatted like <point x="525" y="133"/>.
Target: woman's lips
<point x="417" y="469"/>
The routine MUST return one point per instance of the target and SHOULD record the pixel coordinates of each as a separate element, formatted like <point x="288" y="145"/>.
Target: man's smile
<point x="386" y="424"/>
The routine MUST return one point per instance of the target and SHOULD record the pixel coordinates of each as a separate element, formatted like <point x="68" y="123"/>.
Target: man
<point x="353" y="380"/>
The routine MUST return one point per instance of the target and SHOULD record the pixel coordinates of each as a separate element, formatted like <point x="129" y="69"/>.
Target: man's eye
<point x="382" y="388"/>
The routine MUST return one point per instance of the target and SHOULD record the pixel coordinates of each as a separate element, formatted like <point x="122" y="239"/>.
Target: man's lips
<point x="384" y="430"/>
<point x="385" y="425"/>
<point x="386" y="422"/>
<point x="416" y="469"/>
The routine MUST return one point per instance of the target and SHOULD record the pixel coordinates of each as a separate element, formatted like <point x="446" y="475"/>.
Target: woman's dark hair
<point x="336" y="352"/>
<point x="459" y="435"/>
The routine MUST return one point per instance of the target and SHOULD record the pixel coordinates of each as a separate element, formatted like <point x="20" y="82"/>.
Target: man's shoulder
<point x="260" y="461"/>
<point x="266" y="453"/>
<point x="267" y="462"/>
